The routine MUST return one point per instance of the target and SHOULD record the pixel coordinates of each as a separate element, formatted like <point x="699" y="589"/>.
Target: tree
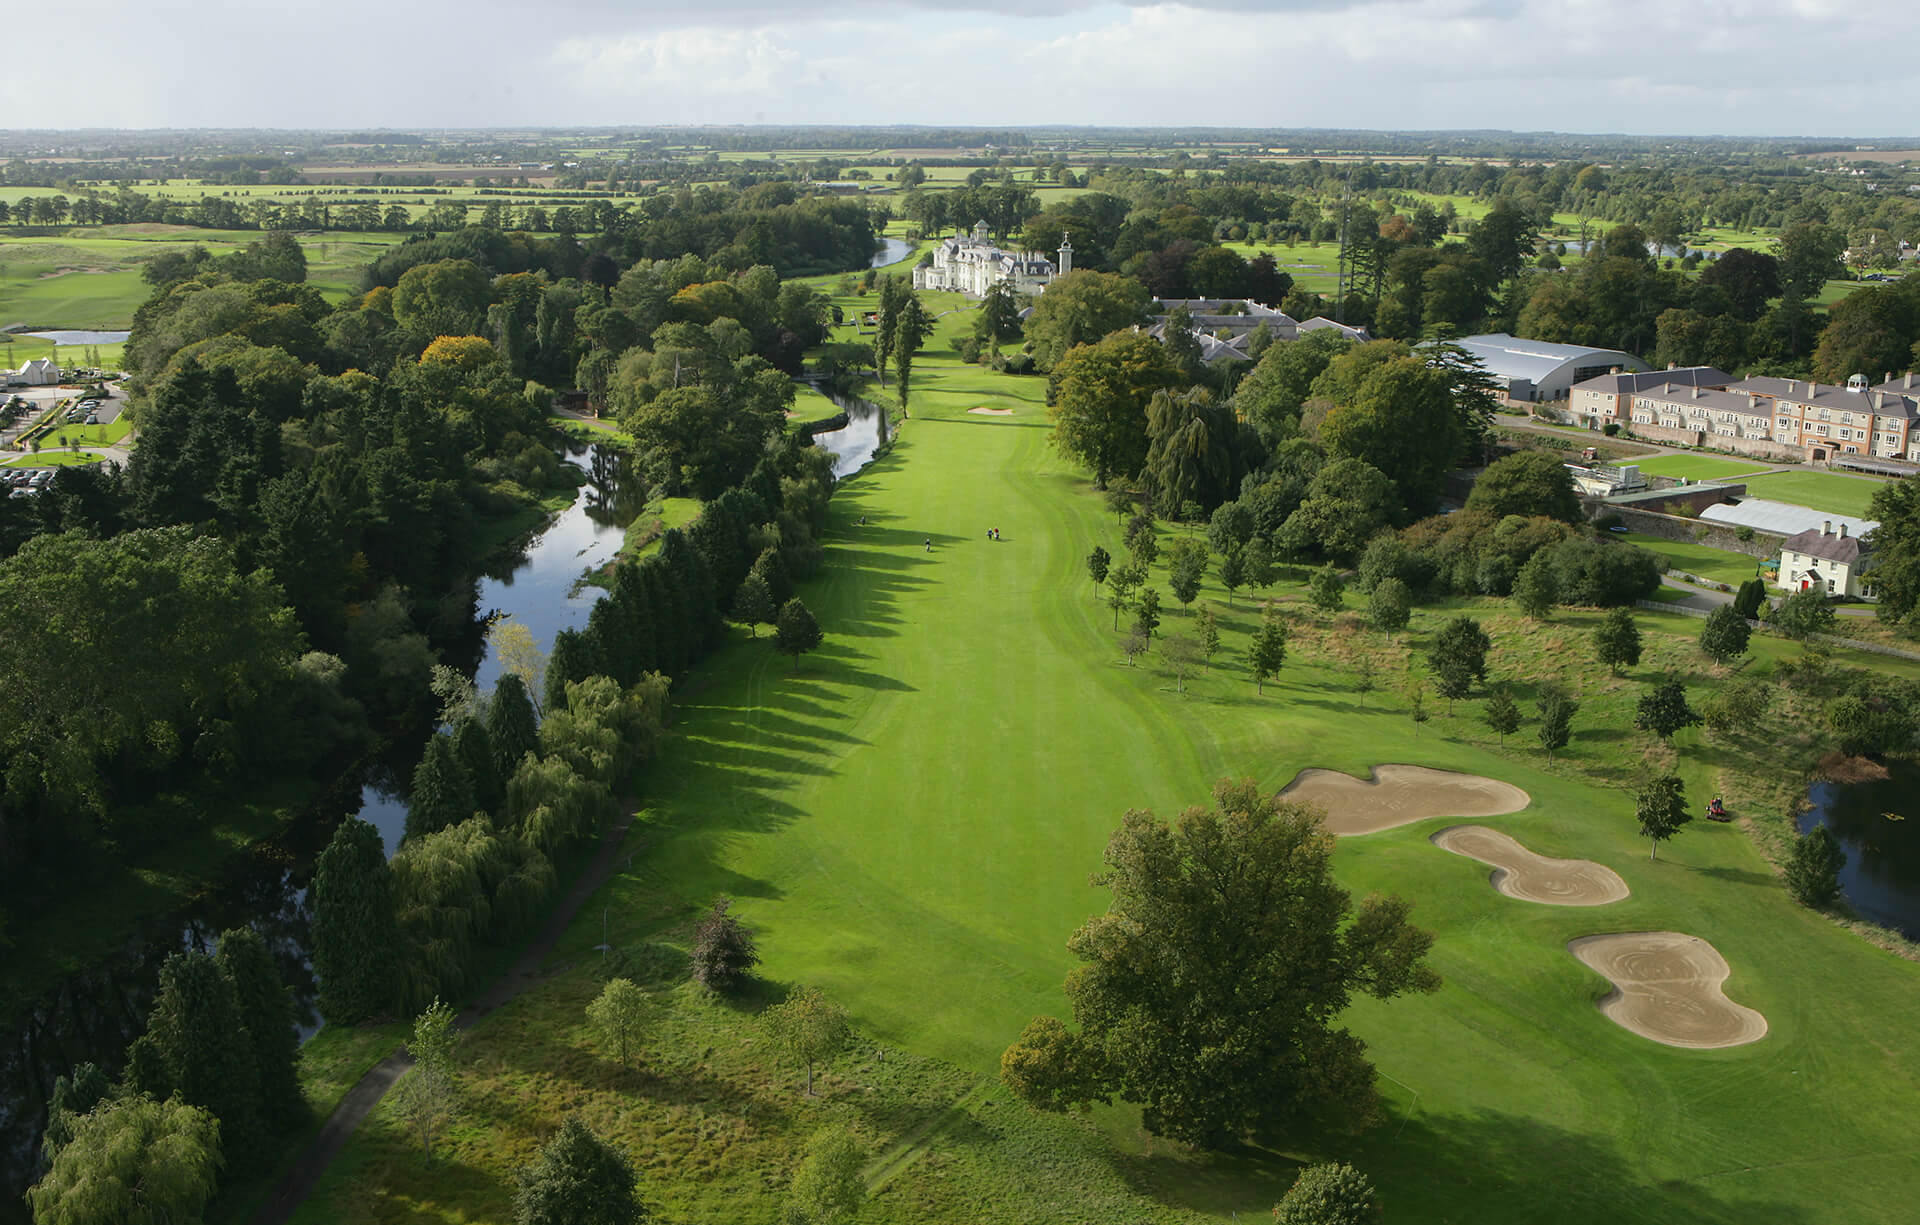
<point x="618" y="1014"/>
<point x="1326" y="590"/>
<point x="1663" y="710"/>
<point x="355" y="935"/>
<point x="1186" y="563"/>
<point x="1527" y="483"/>
<point x="1390" y="606"/>
<point x="442" y="795"/>
<point x="426" y="1096"/>
<point x="1098" y="562"/>
<point x="1813" y="874"/>
<point x="809" y="1026"/>
<point x="1146" y="613"/>
<point x="1748" y="600"/>
<point x="1331" y="1194"/>
<point x="197" y="1046"/>
<point x="723" y="949"/>
<point x="1207" y="635"/>
<point x="1209" y="991"/>
<point x="1099" y="405"/>
<point x="578" y="1179"/>
<point x="1896" y="547"/>
<point x="999" y="318"/>
<point x="132" y="1161"/>
<point x="1661" y="806"/>
<point x="1725" y="635"/>
<point x="1502" y="714"/>
<point x="1081" y="308"/>
<point x="1134" y="645"/>
<point x="796" y="632"/>
<point x="1458" y="658"/>
<point x="1536" y="589"/>
<point x="886" y="321"/>
<point x="1346" y="504"/>
<point x="1399" y="418"/>
<point x="1616" y="641"/>
<point x="1121" y="583"/>
<point x="1557" y="708"/>
<point x="753" y="603"/>
<point x="910" y="329"/>
<point x="828" y="1187"/>
<point x="520" y="657"/>
<point x="266" y="1011"/>
<point x="1180" y="652"/>
<point x="72" y="1099"/>
<point x="1259" y="563"/>
<point x="1803" y="614"/>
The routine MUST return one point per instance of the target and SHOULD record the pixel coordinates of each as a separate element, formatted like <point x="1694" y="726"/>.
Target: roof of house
<point x="1906" y="384"/>
<point x="1515" y="357"/>
<point x="1628" y="381"/>
<point x="1828" y="546"/>
<point x="1834" y="396"/>
<point x="1783" y="518"/>
<point x="1704" y="397"/>
<point x="1321" y="322"/>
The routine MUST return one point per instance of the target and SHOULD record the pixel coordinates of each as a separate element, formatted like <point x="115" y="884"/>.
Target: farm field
<point x="1843" y="495"/>
<point x="1699" y="467"/>
<point x="1719" y="565"/>
<point x="907" y="819"/>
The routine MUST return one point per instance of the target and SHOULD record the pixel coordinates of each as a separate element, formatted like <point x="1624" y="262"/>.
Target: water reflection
<point x="853" y="445"/>
<point x="1879" y="825"/>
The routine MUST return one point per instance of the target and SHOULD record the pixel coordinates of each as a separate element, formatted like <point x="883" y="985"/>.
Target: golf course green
<point x="907" y="819"/>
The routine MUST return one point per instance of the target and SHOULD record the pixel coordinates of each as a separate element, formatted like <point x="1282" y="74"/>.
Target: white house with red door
<point x="1828" y="559"/>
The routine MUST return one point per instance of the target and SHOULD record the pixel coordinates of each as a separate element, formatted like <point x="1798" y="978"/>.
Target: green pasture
<point x="1719" y="565"/>
<point x="16" y="349"/>
<point x="1843" y="495"/>
<point x="907" y="819"/>
<point x="1699" y="467"/>
<point x="50" y="459"/>
<point x="1313" y="266"/>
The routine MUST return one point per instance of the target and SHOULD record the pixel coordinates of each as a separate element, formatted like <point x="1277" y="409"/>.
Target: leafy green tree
<point x="1099" y="408"/>
<point x="999" y="318"/>
<point x="473" y="748"/>
<point x="427" y="1093"/>
<point x="1536" y="589"/>
<point x="1556" y="708"/>
<point x="444" y="298"/>
<point x="1896" y="547"/>
<point x="1233" y="571"/>
<point x="72" y="1098"/>
<point x="1326" y="590"/>
<point x="1273" y="394"/>
<point x="442" y="793"/>
<point x="910" y="330"/>
<point x="1813" y="874"/>
<point x="753" y="603"/>
<point x="1748" y="600"/>
<point x="1458" y="658"/>
<point x="1663" y="710"/>
<point x="197" y="1046"/>
<point x="1146" y="613"/>
<point x="1330" y="1194"/>
<point x="1416" y="691"/>
<point x="1399" y="419"/>
<point x="1502" y="714"/>
<point x="1390" y="606"/>
<point x="618" y="1016"/>
<point x="1725" y="635"/>
<point x="1209" y="987"/>
<point x="1121" y="583"/>
<point x="796" y="632"/>
<point x="1098" y="563"/>
<point x="723" y="949"/>
<point x="829" y="1186"/>
<point x="355" y="934"/>
<point x="1186" y="563"/>
<point x="266" y="1010"/>
<point x="1661" y="806"/>
<point x="1081" y="308"/>
<point x="809" y="1027"/>
<point x="1346" y="504"/>
<point x="578" y="1179"/>
<point x="132" y="1161"/>
<point x="886" y="322"/>
<point x="1527" y="483"/>
<point x="1616" y="641"/>
<point x="1207" y="635"/>
<point x="1134" y="645"/>
<point x="1259" y="563"/>
<point x="1802" y="615"/>
<point x="1180" y="653"/>
<point x="1196" y="452"/>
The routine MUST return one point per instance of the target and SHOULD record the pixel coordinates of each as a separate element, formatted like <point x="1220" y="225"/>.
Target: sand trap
<point x="1398" y="795"/>
<point x="1520" y="873"/>
<point x="984" y="411"/>
<point x="1666" y="986"/>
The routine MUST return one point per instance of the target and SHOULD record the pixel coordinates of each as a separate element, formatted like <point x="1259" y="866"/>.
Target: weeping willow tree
<point x="554" y="807"/>
<point x="603" y="730"/>
<point x="1196" y="451"/>
<point x="454" y="889"/>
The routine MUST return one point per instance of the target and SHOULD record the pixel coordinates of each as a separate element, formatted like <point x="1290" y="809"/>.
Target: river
<point x="892" y="251"/>
<point x="854" y="443"/>
<point x="1879" y="825"/>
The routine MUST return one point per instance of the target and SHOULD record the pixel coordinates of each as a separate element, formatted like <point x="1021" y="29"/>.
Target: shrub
<point x="723" y="949"/>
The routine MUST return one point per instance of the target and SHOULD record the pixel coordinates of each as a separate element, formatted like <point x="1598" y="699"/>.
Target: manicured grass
<point x="811" y="405"/>
<point x="1719" y="565"/>
<point x="1843" y="495"/>
<point x="1698" y="467"/>
<point x="50" y="458"/>
<point x="908" y="817"/>
<point x="76" y="434"/>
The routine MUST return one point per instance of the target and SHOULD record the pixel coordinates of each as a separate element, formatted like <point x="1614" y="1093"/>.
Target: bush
<point x="723" y="949"/>
<point x="968" y="348"/>
<point x="1813" y="874"/>
<point x="1332" y="1194"/>
<point x="1610" y="429"/>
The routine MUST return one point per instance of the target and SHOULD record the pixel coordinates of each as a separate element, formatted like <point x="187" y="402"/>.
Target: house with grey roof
<point x="1608" y="398"/>
<point x="1320" y="323"/>
<point x="1826" y="560"/>
<point x="40" y="372"/>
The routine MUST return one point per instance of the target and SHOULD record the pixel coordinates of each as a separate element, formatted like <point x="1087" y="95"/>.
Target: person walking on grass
<point x="929" y="544"/>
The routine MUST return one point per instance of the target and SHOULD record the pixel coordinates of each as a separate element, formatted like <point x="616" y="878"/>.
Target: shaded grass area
<point x="908" y="817"/>
<point x="1843" y="495"/>
<point x="1720" y="565"/>
<point x="1698" y="467"/>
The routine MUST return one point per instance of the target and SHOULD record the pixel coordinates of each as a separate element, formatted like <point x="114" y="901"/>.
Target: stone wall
<point x="1758" y="448"/>
<point x="1680" y="530"/>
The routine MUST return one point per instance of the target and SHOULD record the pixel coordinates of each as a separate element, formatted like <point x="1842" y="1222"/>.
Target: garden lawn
<point x="1720" y="565"/>
<point x="1698" y="467"/>
<point x="1843" y="495"/>
<point x="907" y="819"/>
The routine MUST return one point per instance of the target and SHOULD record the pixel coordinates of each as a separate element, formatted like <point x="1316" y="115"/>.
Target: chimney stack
<point x="1843" y="531"/>
<point x="1826" y="527"/>
<point x="1908" y="382"/>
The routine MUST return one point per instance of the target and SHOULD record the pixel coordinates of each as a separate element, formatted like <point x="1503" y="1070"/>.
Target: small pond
<point x="892" y="251"/>
<point x="1879" y="825"/>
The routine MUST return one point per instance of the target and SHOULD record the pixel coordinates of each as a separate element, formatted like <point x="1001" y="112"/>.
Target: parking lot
<point x="75" y="428"/>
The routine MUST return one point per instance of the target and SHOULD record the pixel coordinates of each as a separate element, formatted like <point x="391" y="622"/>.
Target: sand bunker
<point x="1666" y="986"/>
<point x="1518" y="872"/>
<point x="984" y="411"/>
<point x="1397" y="795"/>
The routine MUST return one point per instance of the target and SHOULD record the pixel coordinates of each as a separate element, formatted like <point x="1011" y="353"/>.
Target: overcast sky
<point x="1744" y="67"/>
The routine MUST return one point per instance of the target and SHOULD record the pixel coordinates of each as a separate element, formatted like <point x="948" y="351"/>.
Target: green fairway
<point x="1697" y="467"/>
<point x="1719" y="565"/>
<point x="1843" y="495"/>
<point x="908" y="817"/>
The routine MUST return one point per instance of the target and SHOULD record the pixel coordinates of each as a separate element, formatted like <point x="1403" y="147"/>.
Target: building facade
<point x="1772" y="418"/>
<point x="1608" y="398"/>
<point x="40" y="372"/>
<point x="972" y="264"/>
<point x="1825" y="560"/>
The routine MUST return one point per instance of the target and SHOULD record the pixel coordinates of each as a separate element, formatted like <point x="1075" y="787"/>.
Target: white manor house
<point x="971" y="264"/>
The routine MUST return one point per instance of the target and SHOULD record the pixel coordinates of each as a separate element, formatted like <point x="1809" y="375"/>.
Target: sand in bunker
<point x="1531" y="877"/>
<point x="1397" y="795"/>
<point x="1666" y="986"/>
<point x="984" y="411"/>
